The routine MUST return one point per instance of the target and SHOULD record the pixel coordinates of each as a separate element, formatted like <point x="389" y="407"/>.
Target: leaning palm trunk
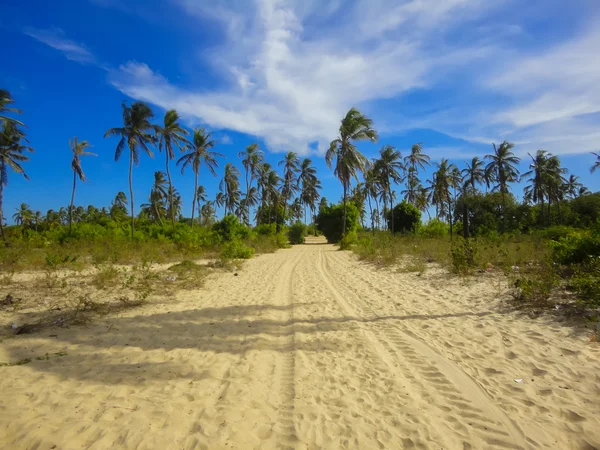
<point x="391" y="208"/>
<point x="72" y="203"/>
<point x="170" y="191"/>
<point x="372" y="218"/>
<point x="131" y="191"/>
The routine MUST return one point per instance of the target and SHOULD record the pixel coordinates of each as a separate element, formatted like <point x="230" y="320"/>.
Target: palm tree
<point x="309" y="184"/>
<point x="6" y="99"/>
<point x="270" y="192"/>
<point x="174" y="208"/>
<point x="423" y="200"/>
<point x="474" y="173"/>
<point x="502" y="169"/>
<point x="171" y="135"/>
<point x="252" y="158"/>
<point x="390" y="169"/>
<point x="572" y="186"/>
<point x="24" y="216"/>
<point x="547" y="181"/>
<point x="78" y="149"/>
<point x="349" y="160"/>
<point x="158" y="195"/>
<point x="440" y="190"/>
<point x="135" y="133"/>
<point x="412" y="162"/>
<point x="11" y="156"/>
<point x="230" y="186"/>
<point x="200" y="152"/>
<point x="290" y="181"/>
<point x="370" y="188"/>
<point x="207" y="213"/>
<point x="596" y="163"/>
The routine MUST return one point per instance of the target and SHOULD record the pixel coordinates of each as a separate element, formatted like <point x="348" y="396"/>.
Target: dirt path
<point x="307" y="348"/>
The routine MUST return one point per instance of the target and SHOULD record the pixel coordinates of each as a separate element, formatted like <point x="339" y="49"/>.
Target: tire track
<point x="464" y="398"/>
<point x="286" y="426"/>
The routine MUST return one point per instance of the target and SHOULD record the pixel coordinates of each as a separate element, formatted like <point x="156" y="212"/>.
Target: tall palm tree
<point x="547" y="180"/>
<point x="230" y="186"/>
<point x="11" y="156"/>
<point x="171" y="135"/>
<point x="423" y="200"/>
<point x="137" y="132"/>
<point x="370" y="188"/>
<point x="308" y="184"/>
<point x="174" y="208"/>
<point x="252" y="158"/>
<point x="200" y="152"/>
<point x="5" y="100"/>
<point x="502" y="168"/>
<point x="440" y="190"/>
<point x="348" y="159"/>
<point x="390" y="169"/>
<point x="272" y="193"/>
<point x="474" y="173"/>
<point x="290" y="182"/>
<point x="412" y="162"/>
<point x="572" y="186"/>
<point x="79" y="150"/>
<point x="207" y="213"/>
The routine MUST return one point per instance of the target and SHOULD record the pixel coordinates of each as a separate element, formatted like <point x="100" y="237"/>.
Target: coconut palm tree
<point x="309" y="184"/>
<point x="174" y="208"/>
<point x="252" y="158"/>
<point x="412" y="162"/>
<point x="200" y="152"/>
<point x="230" y="187"/>
<point x="79" y="150"/>
<point x="207" y="213"/>
<point x="5" y="100"/>
<point x="11" y="156"/>
<point x="348" y="159"/>
<point x="171" y="135"/>
<point x="290" y="181"/>
<point x="272" y="191"/>
<point x="201" y="197"/>
<point x="390" y="169"/>
<point x="547" y="180"/>
<point x="371" y="191"/>
<point x="474" y="173"/>
<point x="572" y="186"/>
<point x="137" y="132"/>
<point x="423" y="200"/>
<point x="502" y="169"/>
<point x="440" y="190"/>
<point x="24" y="216"/>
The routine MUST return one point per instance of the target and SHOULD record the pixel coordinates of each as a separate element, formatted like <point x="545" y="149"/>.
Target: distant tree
<point x="502" y="169"/>
<point x="252" y="159"/>
<point x="171" y="135"/>
<point x="24" y="216"/>
<point x="596" y="164"/>
<point x="291" y="167"/>
<point x="137" y="132"/>
<point x="230" y="187"/>
<point x="474" y="173"/>
<point x="79" y="150"/>
<point x="348" y="159"/>
<point x="200" y="152"/>
<point x="412" y="162"/>
<point x="390" y="169"/>
<point x="407" y="217"/>
<point x="118" y="206"/>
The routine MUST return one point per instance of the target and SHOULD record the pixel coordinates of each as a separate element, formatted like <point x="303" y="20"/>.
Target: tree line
<point x="263" y="195"/>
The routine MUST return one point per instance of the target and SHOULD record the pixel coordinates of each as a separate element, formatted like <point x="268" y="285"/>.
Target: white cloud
<point x="55" y="38"/>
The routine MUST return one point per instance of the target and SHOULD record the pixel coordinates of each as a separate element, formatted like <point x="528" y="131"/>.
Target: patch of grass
<point x="108" y="276"/>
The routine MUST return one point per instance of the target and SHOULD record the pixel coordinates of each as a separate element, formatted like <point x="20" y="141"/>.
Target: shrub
<point x="435" y="228"/>
<point x="463" y="256"/>
<point x="330" y="221"/>
<point x="236" y="250"/>
<point x="349" y="240"/>
<point x="555" y="233"/>
<point x="230" y="228"/>
<point x="586" y="282"/>
<point x="264" y="229"/>
<point x="407" y="218"/>
<point x="296" y="233"/>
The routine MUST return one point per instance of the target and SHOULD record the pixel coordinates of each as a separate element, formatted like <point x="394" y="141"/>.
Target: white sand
<point x="307" y="348"/>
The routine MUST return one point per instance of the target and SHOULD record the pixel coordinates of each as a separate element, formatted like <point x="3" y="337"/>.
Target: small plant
<point x="297" y="233"/>
<point x="106" y="277"/>
<point x="236" y="250"/>
<point x="463" y="256"/>
<point x="349" y="240"/>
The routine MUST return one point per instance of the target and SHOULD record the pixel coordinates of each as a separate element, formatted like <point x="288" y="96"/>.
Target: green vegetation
<point x="296" y="233"/>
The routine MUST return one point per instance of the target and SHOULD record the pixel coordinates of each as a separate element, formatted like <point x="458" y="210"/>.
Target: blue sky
<point x="456" y="75"/>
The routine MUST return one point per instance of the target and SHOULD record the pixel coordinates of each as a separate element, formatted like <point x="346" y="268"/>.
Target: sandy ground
<point x="307" y="348"/>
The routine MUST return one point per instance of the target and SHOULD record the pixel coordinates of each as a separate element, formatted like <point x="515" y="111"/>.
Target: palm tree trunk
<point x="131" y="191"/>
<point x="391" y="206"/>
<point x="372" y="218"/>
<point x="246" y="199"/>
<point x="158" y="214"/>
<point x="450" y="216"/>
<point x="72" y="203"/>
<point x="170" y="189"/>
<point x="503" y="211"/>
<point x="344" y="221"/>
<point x="377" y="206"/>
<point x="194" y="201"/>
<point x="1" y="204"/>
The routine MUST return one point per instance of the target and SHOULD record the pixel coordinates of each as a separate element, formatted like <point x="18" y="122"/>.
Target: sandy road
<point x="307" y="348"/>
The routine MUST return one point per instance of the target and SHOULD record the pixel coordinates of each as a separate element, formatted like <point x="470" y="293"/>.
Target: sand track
<point x="307" y="348"/>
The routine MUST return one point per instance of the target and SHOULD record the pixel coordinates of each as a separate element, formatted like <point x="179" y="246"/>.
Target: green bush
<point x="435" y="228"/>
<point x="230" y="228"/>
<point x="349" y="240"/>
<point x="330" y="221"/>
<point x="556" y="232"/>
<point x="407" y="218"/>
<point x="296" y="233"/>
<point x="463" y="256"/>
<point x="236" y="250"/>
<point x="264" y="229"/>
<point x="586" y="282"/>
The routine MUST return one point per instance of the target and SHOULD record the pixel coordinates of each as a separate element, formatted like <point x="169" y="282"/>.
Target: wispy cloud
<point x="55" y="38"/>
